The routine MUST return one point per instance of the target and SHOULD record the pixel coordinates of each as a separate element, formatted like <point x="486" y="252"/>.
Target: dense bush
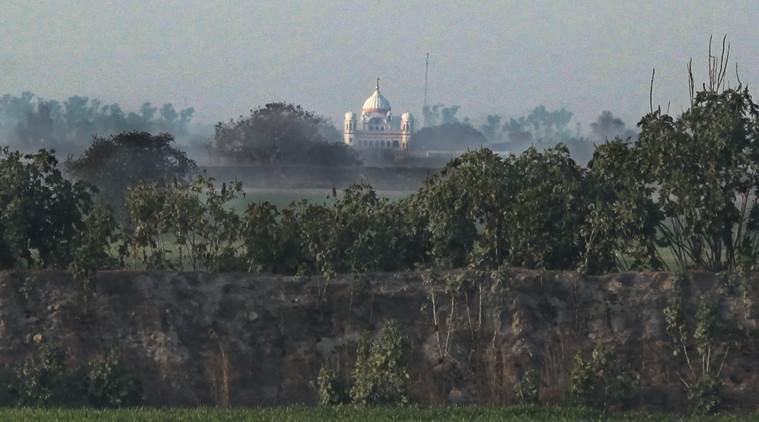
<point x="361" y="232"/>
<point x="524" y="210"/>
<point x="331" y="390"/>
<point x="379" y="374"/>
<point x="600" y="381"/>
<point x="44" y="380"/>
<point x="527" y="389"/>
<point x="41" y="213"/>
<point x="109" y="383"/>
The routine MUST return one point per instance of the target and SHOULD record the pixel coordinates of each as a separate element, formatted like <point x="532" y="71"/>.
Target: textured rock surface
<point x="269" y="335"/>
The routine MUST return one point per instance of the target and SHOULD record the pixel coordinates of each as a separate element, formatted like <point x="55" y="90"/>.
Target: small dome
<point x="350" y="116"/>
<point x="376" y="103"/>
<point x="407" y="117"/>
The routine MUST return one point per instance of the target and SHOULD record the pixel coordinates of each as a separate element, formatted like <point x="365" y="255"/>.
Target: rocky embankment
<point x="196" y="338"/>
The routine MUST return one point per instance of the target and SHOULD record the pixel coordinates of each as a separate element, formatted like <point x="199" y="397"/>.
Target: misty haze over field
<point x="224" y="58"/>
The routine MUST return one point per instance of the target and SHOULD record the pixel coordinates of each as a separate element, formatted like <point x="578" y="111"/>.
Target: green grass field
<point x="293" y="414"/>
<point x="283" y="197"/>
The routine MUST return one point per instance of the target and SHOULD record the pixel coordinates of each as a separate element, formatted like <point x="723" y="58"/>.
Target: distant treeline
<point x="541" y="128"/>
<point x="285" y="133"/>
<point x="29" y="121"/>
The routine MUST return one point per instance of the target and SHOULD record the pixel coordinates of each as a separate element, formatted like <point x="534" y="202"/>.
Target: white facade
<point x="375" y="128"/>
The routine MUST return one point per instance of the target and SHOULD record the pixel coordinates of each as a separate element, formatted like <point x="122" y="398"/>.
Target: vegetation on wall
<point x="379" y="375"/>
<point x="47" y="380"/>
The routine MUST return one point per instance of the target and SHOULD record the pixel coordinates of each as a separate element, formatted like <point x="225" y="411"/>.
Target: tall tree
<point x="280" y="133"/>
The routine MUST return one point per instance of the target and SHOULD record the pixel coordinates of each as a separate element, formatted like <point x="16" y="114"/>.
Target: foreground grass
<point x="468" y="413"/>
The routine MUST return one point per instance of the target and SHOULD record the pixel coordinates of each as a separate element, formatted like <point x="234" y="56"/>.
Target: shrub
<point x="111" y="385"/>
<point x="380" y="376"/>
<point x="44" y="381"/>
<point x="700" y="345"/>
<point x="598" y="382"/>
<point x="526" y="390"/>
<point x="331" y="390"/>
<point x="704" y="394"/>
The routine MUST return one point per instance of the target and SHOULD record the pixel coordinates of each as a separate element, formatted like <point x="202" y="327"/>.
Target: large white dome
<point x="376" y="103"/>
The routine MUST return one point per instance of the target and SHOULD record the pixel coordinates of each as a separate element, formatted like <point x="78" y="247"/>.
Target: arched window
<point x="395" y="144"/>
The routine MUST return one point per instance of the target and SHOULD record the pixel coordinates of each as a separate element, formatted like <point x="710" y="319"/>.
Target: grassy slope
<point x="343" y="414"/>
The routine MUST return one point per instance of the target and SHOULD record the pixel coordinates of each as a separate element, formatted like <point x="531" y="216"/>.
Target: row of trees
<point x="29" y="121"/>
<point x="278" y="132"/>
<point x="541" y="127"/>
<point x="683" y="194"/>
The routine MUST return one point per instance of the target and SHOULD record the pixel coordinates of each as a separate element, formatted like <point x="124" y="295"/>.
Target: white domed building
<point x="376" y="129"/>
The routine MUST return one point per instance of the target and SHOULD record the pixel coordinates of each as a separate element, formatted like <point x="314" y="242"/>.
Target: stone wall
<point x="185" y="333"/>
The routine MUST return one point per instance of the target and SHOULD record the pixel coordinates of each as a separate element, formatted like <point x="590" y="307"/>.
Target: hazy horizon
<point x="224" y="58"/>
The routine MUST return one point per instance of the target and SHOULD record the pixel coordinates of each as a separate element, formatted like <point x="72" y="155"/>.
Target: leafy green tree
<point x="263" y="240"/>
<point x="704" y="165"/>
<point x="220" y="225"/>
<point x="464" y="207"/>
<point x="93" y="251"/>
<point x="293" y="257"/>
<point x="143" y="241"/>
<point x="545" y="209"/>
<point x="526" y="210"/>
<point x="41" y="212"/>
<point x="620" y="230"/>
<point x="118" y="162"/>
<point x="317" y="225"/>
<point x="196" y="216"/>
<point x="368" y="231"/>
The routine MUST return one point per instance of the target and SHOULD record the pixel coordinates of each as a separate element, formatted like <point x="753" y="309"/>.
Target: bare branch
<point x="651" y="91"/>
<point x="691" y="84"/>
<point x="738" y="77"/>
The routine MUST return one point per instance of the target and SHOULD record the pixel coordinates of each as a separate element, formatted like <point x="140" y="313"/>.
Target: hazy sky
<point x="226" y="57"/>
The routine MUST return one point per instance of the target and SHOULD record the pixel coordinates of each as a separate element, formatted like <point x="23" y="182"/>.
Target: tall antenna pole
<point x="426" y="69"/>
